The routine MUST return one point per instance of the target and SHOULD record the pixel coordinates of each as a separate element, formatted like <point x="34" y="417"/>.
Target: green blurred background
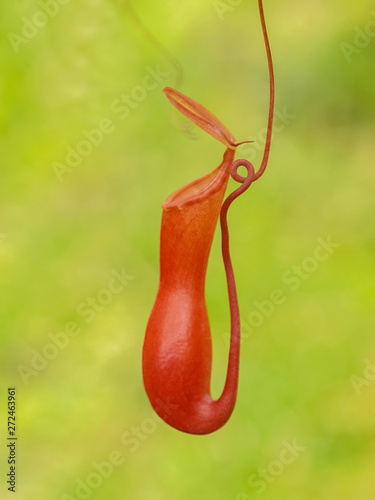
<point x="308" y="365"/>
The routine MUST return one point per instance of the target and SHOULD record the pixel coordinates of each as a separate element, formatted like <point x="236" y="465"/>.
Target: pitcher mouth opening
<point x="198" y="189"/>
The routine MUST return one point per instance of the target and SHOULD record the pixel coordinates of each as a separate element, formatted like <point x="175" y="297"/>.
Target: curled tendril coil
<point x="246" y="181"/>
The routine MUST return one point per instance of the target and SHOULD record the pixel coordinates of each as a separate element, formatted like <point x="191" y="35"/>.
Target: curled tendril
<point x="245" y="181"/>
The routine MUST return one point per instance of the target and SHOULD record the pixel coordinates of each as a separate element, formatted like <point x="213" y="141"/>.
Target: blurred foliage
<point x="62" y="237"/>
